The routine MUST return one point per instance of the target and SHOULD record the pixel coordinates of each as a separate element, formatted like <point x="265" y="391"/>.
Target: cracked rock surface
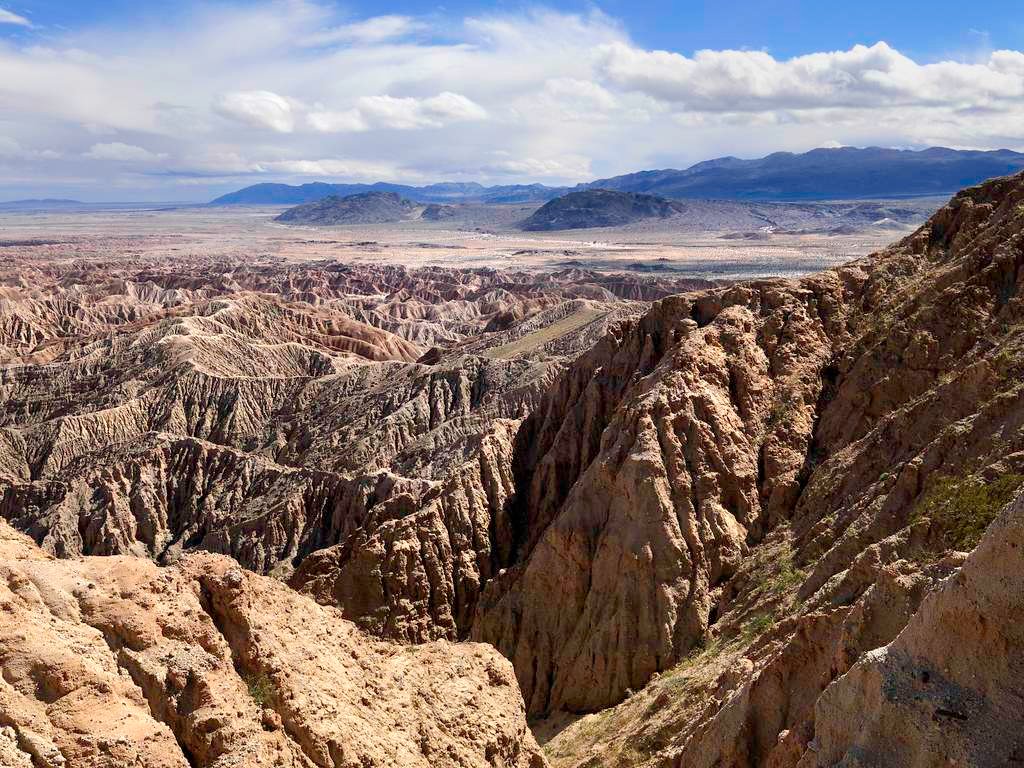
<point x="113" y="661"/>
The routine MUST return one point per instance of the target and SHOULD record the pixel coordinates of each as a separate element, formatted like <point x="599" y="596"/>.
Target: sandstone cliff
<point x="845" y="504"/>
<point x="113" y="662"/>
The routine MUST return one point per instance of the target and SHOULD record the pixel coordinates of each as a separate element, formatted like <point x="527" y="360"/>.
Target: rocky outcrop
<point x="645" y="476"/>
<point x="598" y="208"/>
<point x="113" y="661"/>
<point x="834" y="405"/>
<point x="271" y="412"/>
<point x="913" y="441"/>
<point x="952" y="682"/>
<point x="705" y="524"/>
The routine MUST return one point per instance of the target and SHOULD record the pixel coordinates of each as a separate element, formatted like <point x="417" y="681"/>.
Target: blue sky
<point x="183" y="100"/>
<point x="921" y="28"/>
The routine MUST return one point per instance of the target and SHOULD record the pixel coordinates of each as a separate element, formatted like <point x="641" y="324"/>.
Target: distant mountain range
<point x="33" y="205"/>
<point x="447" y="192"/>
<point x="847" y="173"/>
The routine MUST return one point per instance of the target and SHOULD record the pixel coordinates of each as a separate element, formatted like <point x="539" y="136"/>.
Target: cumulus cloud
<point x="346" y="121"/>
<point x="8" y="17"/>
<point x="356" y="170"/>
<point x="262" y="109"/>
<point x="297" y="91"/>
<point x="410" y="113"/>
<point x="865" y="77"/>
<point x="403" y="114"/>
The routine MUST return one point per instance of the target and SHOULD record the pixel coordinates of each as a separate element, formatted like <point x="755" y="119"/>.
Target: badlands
<point x="449" y="493"/>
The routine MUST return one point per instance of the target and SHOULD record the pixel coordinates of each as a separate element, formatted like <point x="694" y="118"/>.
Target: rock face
<point x="363" y="208"/>
<point x="645" y="476"/>
<point x="269" y="412"/>
<point x="597" y="208"/>
<point x="951" y="683"/>
<point x="883" y="434"/>
<point x="436" y="212"/>
<point x="113" y="662"/>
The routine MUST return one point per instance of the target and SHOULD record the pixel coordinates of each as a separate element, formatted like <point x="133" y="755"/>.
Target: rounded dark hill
<point x="438" y="212"/>
<point x="598" y="208"/>
<point x="364" y="208"/>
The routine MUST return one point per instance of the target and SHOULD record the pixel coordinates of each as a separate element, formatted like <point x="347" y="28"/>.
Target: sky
<point x="185" y="100"/>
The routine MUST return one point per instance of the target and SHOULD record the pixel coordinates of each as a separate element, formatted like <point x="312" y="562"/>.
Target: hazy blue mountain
<point x="446" y="192"/>
<point x="847" y="173"/>
<point x="824" y="174"/>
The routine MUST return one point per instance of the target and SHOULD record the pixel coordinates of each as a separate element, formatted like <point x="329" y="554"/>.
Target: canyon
<point x="264" y="508"/>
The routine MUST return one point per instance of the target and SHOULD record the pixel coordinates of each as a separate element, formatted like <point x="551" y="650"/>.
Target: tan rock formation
<point x="950" y="686"/>
<point x="834" y="404"/>
<point x="113" y="661"/>
<point x="917" y="440"/>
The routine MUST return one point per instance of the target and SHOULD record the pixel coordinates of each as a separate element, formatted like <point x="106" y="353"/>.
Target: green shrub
<point x="757" y="626"/>
<point x="788" y="575"/>
<point x="962" y="508"/>
<point x="261" y="688"/>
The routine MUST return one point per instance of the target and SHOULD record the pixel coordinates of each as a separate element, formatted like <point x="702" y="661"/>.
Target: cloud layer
<point x="288" y="90"/>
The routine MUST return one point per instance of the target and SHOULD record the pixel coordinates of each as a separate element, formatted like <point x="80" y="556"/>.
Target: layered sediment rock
<point x="706" y="524"/>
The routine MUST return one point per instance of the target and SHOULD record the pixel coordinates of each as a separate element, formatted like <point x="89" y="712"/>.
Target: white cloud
<point x="374" y="30"/>
<point x="290" y="89"/>
<point x="409" y="113"/>
<point x="329" y="168"/>
<point x="7" y="17"/>
<point x="402" y="114"/>
<point x="565" y="167"/>
<point x="263" y="109"/>
<point x="864" y="77"/>
<point x="350" y="120"/>
<point x="119" y="152"/>
<point x="9" y="147"/>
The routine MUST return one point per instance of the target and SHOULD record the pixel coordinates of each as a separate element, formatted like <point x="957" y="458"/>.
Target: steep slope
<point x="697" y="525"/>
<point x="270" y="411"/>
<point x="737" y="500"/>
<point x="922" y="695"/>
<point x="113" y="662"/>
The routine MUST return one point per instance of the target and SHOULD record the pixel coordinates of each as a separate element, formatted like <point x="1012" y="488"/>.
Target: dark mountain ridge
<point x="446" y="192"/>
<point x="845" y="173"/>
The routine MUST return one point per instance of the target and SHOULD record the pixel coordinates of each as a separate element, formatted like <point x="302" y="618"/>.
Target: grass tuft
<point x="261" y="688"/>
<point x="962" y="508"/>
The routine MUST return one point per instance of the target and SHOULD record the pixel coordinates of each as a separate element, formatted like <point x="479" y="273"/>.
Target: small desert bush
<point x="261" y="688"/>
<point x="961" y="508"/>
<point x="757" y="626"/>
